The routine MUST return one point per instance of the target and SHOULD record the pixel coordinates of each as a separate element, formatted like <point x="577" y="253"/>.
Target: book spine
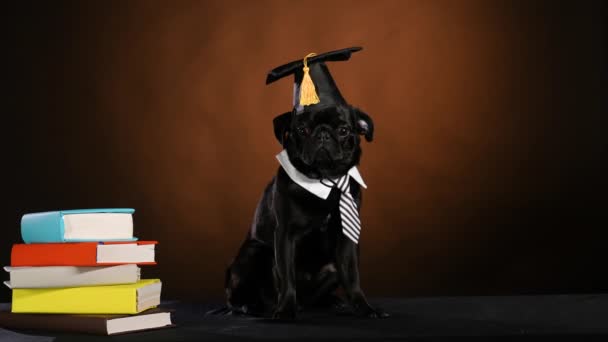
<point x="42" y="227"/>
<point x="61" y="323"/>
<point x="76" y="300"/>
<point x="71" y="276"/>
<point x="54" y="254"/>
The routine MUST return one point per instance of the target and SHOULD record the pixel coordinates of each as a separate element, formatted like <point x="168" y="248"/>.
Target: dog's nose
<point x="323" y="136"/>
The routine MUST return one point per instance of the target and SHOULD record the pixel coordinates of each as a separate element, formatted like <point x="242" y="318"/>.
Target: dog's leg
<point x="248" y="280"/>
<point x="347" y="264"/>
<point x="284" y="246"/>
<point x="321" y="289"/>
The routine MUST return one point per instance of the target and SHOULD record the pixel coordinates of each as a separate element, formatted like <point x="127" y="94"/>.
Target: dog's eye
<point x="343" y="131"/>
<point x="303" y="130"/>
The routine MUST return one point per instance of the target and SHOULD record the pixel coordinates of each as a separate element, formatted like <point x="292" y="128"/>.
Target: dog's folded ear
<point x="281" y="127"/>
<point x="364" y="124"/>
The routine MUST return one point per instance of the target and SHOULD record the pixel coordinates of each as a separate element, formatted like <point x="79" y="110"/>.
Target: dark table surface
<point x="547" y="317"/>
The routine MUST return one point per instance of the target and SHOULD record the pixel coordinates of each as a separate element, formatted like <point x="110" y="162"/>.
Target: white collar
<point x="313" y="185"/>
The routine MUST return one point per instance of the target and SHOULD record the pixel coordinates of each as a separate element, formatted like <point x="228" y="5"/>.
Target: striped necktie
<point x="351" y="225"/>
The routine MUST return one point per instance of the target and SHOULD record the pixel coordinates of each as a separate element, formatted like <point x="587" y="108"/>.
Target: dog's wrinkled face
<point x="324" y="143"/>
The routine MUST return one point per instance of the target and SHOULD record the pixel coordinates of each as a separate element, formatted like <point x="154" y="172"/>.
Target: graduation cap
<point x="313" y="84"/>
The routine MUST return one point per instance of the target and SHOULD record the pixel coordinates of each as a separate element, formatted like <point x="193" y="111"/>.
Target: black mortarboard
<point x="313" y="84"/>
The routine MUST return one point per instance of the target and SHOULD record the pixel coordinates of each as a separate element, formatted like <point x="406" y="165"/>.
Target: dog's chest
<point x="313" y="205"/>
<point x="325" y="223"/>
<point x="315" y="213"/>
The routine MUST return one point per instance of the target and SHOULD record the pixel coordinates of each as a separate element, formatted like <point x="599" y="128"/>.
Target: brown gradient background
<point x="487" y="174"/>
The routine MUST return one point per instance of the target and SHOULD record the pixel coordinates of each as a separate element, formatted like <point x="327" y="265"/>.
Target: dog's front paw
<point x="369" y="312"/>
<point x="286" y="308"/>
<point x="284" y="314"/>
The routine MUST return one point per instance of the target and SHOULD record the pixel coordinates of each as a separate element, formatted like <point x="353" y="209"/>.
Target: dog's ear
<point x="364" y="124"/>
<point x="281" y="127"/>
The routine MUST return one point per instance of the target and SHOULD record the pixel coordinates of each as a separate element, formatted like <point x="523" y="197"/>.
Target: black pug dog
<point x="295" y="253"/>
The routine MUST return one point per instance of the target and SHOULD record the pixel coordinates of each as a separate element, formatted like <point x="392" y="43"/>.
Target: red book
<point x="83" y="253"/>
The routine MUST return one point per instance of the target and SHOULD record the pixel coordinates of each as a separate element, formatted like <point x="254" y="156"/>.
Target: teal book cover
<point x="49" y="226"/>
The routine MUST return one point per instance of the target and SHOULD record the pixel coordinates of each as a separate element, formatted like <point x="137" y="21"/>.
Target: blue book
<point x="109" y="224"/>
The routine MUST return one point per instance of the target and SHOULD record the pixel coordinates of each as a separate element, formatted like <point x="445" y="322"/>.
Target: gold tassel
<point x="308" y="94"/>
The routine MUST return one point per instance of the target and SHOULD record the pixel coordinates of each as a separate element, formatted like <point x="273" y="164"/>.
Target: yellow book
<point x="107" y="299"/>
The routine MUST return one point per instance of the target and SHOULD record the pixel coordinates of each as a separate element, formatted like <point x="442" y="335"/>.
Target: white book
<point x="71" y="276"/>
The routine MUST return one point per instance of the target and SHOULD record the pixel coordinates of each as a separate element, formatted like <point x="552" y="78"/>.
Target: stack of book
<point x="78" y="271"/>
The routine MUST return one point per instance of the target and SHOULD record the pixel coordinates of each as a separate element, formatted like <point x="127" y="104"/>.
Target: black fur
<point x="295" y="252"/>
